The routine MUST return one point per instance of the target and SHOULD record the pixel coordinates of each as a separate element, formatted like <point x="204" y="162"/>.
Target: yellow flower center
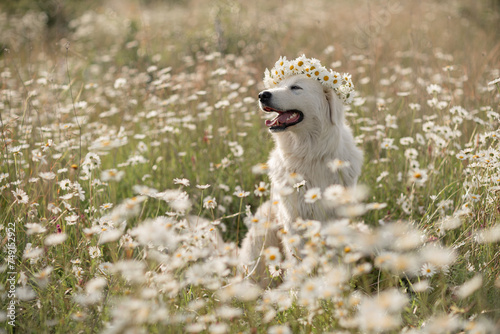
<point x="326" y="78"/>
<point x="272" y="257"/>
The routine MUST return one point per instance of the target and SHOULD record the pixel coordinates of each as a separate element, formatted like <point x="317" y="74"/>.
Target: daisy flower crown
<point x="341" y="84"/>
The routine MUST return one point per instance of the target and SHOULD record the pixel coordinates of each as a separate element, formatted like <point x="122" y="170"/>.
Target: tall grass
<point x="115" y="138"/>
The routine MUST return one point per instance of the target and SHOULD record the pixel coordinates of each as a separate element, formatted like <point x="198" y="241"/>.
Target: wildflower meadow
<point x="133" y="160"/>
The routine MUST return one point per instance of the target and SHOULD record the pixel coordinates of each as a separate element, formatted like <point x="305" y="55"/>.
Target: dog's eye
<point x="295" y="87"/>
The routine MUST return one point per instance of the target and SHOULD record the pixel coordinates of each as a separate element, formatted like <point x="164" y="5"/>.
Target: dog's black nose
<point x="265" y="95"/>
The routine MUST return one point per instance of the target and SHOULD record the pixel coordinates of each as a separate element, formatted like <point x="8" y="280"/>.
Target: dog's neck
<point x="303" y="146"/>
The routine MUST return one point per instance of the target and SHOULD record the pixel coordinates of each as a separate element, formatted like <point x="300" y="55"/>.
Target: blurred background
<point x="262" y="29"/>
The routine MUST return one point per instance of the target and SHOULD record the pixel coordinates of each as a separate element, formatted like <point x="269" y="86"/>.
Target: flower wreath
<point x="341" y="84"/>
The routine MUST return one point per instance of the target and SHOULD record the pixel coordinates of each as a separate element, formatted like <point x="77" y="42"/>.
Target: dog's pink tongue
<point x="271" y="122"/>
<point x="283" y="118"/>
<point x="288" y="117"/>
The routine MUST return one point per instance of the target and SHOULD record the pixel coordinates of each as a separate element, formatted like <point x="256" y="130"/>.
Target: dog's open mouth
<point x="284" y="119"/>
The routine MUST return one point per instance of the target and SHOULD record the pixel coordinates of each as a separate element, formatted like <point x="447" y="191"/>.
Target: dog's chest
<point x="292" y="196"/>
<point x="315" y="173"/>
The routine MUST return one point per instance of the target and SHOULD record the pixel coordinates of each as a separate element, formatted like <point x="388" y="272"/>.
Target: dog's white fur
<point x="304" y="148"/>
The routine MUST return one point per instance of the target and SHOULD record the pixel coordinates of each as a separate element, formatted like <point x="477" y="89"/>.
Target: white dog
<point x="309" y="132"/>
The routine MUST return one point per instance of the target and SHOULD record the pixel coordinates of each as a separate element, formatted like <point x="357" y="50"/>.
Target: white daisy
<point x="20" y="196"/>
<point x="417" y="176"/>
<point x="294" y="178"/>
<point x="65" y="184"/>
<point x="336" y="80"/>
<point x="262" y="189"/>
<point x="312" y="195"/>
<point x="91" y="161"/>
<point x="241" y="193"/>
<point x="184" y="182"/>
<point x="434" y="89"/>
<point x="94" y="252"/>
<point x="337" y="164"/>
<point x="34" y="228"/>
<point x="112" y="175"/>
<point x="209" y="202"/>
<point x="411" y="154"/>
<point x="261" y="168"/>
<point x="47" y="175"/>
<point x="55" y="239"/>
<point x="428" y="270"/>
<point x="272" y="255"/>
<point x="71" y="220"/>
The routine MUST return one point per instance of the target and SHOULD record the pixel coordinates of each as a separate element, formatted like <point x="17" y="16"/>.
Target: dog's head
<point x="302" y="104"/>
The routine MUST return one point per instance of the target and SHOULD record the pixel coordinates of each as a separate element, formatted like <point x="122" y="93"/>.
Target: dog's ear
<point x="335" y="106"/>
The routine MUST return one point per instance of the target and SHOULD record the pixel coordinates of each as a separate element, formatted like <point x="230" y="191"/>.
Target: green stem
<point x="238" y="223"/>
